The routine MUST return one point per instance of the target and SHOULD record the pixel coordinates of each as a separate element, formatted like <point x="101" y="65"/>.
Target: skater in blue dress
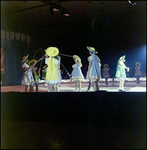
<point x="76" y="74"/>
<point x="94" y="69"/>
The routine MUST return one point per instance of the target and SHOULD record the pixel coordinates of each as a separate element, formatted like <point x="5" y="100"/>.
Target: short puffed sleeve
<point x="46" y="60"/>
<point x="90" y="58"/>
<point x="73" y="66"/>
<point x="57" y="62"/>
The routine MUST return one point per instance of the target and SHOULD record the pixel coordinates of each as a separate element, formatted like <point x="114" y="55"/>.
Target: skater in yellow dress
<point x="53" y="76"/>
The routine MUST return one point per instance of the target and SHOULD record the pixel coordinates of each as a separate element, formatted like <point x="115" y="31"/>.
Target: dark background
<point x="73" y="120"/>
<point x="113" y="28"/>
<point x="97" y="120"/>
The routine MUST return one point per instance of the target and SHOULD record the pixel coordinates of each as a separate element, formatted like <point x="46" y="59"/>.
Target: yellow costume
<point x="53" y="76"/>
<point x="51" y="73"/>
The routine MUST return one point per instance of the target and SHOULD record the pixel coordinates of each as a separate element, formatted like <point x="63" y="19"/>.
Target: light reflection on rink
<point x="137" y="89"/>
<point x="68" y="86"/>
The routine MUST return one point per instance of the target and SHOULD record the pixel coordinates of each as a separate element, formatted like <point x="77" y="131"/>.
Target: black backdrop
<point x="13" y="52"/>
<point x="112" y="36"/>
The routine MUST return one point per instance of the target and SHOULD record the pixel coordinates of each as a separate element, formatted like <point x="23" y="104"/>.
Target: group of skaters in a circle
<point x="52" y="72"/>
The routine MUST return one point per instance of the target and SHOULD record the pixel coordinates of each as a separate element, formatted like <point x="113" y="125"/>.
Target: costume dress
<point x="53" y="75"/>
<point x="137" y="71"/>
<point x="35" y="75"/>
<point x="120" y="71"/>
<point x="106" y="72"/>
<point x="44" y="73"/>
<point x="27" y="76"/>
<point x="94" y="72"/>
<point x="77" y="73"/>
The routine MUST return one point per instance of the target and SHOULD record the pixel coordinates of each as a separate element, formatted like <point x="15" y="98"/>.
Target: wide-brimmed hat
<point x="76" y="56"/>
<point x="32" y="61"/>
<point x="52" y="51"/>
<point x="45" y="66"/>
<point x="137" y="63"/>
<point x="92" y="49"/>
<point x="106" y="65"/>
<point x="24" y="58"/>
<point x="122" y="58"/>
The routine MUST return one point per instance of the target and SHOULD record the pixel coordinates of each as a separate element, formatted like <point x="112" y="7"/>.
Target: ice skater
<point x="53" y="76"/>
<point x="36" y="75"/>
<point x="121" y="73"/>
<point x="137" y="72"/>
<point x="28" y="79"/>
<point x="77" y="74"/>
<point x="94" y="69"/>
<point x="106" y="74"/>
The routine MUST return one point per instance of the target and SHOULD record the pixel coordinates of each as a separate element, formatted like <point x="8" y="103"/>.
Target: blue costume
<point x="77" y="73"/>
<point x="94" y="71"/>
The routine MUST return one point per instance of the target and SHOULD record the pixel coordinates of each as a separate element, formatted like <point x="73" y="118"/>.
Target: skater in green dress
<point x="35" y="73"/>
<point x="121" y="73"/>
<point x="44" y="73"/>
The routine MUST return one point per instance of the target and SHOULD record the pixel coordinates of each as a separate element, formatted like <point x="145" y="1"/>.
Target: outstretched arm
<point x="26" y="69"/>
<point x="73" y="66"/>
<point x="90" y="61"/>
<point x="122" y="64"/>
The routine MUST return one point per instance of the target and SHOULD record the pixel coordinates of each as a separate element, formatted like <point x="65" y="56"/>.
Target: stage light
<point x="132" y="2"/>
<point x="55" y="9"/>
<point x="65" y="12"/>
<point x="58" y="9"/>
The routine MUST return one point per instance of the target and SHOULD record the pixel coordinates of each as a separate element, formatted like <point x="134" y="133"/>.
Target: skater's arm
<point x="73" y="66"/>
<point x="122" y="64"/>
<point x="90" y="61"/>
<point x="25" y="68"/>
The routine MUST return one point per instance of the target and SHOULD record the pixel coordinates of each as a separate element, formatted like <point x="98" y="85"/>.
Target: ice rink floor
<point x="67" y="86"/>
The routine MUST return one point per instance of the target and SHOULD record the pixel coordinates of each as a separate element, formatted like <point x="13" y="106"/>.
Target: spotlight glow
<point x="66" y="15"/>
<point x="55" y="9"/>
<point x="132" y="2"/>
